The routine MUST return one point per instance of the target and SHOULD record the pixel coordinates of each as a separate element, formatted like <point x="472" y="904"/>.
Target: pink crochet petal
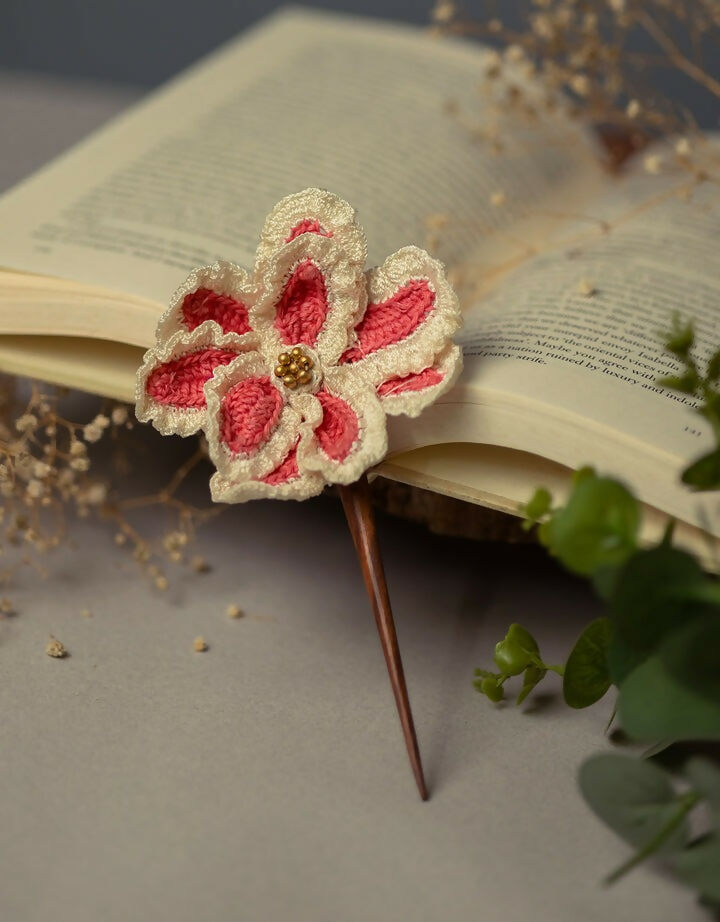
<point x="286" y="471"/>
<point x="249" y="413"/>
<point x="204" y="304"/>
<point x="303" y="305"/>
<point x="345" y="429"/>
<point x="311" y="212"/>
<point x="392" y="320"/>
<point x="296" y="485"/>
<point x="308" y="226"/>
<point x="409" y="394"/>
<point x="222" y="292"/>
<point x="429" y="377"/>
<point x="180" y="381"/>
<point x="338" y="429"/>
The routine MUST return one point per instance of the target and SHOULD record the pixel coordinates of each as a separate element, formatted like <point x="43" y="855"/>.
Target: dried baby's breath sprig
<point x="603" y="55"/>
<point x="47" y="478"/>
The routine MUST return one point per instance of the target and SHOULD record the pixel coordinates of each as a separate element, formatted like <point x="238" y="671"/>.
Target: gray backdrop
<point x="143" y="42"/>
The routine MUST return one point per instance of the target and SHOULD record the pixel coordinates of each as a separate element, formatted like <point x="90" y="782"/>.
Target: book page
<point x="563" y="359"/>
<point x="366" y="110"/>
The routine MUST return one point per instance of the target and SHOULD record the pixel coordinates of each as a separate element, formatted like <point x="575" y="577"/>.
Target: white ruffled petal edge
<point x="222" y="277"/>
<point x="411" y="403"/>
<point x="305" y="485"/>
<point x="232" y="466"/>
<point x="334" y="214"/>
<point x="344" y="285"/>
<point x="370" y="445"/>
<point x="418" y="350"/>
<point x="175" y="420"/>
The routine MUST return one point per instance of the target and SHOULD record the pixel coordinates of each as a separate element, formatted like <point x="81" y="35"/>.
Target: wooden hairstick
<point x="292" y="369"/>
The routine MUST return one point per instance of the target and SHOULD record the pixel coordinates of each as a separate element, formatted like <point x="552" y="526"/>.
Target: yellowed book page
<point x="504" y="479"/>
<point x="563" y="359"/>
<point x="367" y="110"/>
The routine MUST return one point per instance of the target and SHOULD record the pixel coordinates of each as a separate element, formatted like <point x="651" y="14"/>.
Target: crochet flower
<point x="292" y="369"/>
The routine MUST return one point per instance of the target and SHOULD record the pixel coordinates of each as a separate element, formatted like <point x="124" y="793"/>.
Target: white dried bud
<point x="580" y="84"/>
<point x="514" y="53"/>
<point x="35" y="489"/>
<point x="586" y="288"/>
<point x="77" y="448"/>
<point x="119" y="415"/>
<point x="543" y="26"/>
<point x="443" y="11"/>
<point x="652" y="164"/>
<point x="95" y="494"/>
<point x="632" y="110"/>
<point x="26" y="423"/>
<point x="80" y="464"/>
<point x="41" y="469"/>
<point x="682" y="147"/>
<point x="92" y="432"/>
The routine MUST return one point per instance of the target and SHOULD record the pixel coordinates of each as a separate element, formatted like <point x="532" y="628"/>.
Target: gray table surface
<point x="266" y="779"/>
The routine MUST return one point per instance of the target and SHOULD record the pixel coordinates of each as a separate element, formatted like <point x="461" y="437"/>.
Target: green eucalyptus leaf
<point x="685" y="383"/>
<point x="587" y="672"/>
<point x="681" y="337"/>
<point x="531" y="677"/>
<point x="596" y="528"/>
<point x="692" y="655"/>
<point x="538" y="505"/>
<point x="704" y="474"/>
<point x="605" y="580"/>
<point x="713" y="367"/>
<point x="583" y="473"/>
<point x="622" y="659"/>
<point x="515" y="652"/>
<point x="675" y="692"/>
<point x="704" y="777"/>
<point x="491" y="688"/>
<point x="483" y="673"/>
<point x="698" y="866"/>
<point x="654" y="595"/>
<point x="634" y="798"/>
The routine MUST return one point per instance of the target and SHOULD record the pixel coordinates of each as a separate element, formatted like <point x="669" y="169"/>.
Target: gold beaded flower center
<point x="294" y="368"/>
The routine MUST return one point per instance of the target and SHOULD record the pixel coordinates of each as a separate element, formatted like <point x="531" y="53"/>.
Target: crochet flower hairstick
<point x="291" y="370"/>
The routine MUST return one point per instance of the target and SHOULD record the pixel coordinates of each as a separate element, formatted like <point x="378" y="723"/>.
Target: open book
<point x="567" y="272"/>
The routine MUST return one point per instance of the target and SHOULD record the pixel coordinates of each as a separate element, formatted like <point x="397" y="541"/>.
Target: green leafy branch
<point x="640" y="802"/>
<point x="704" y="473"/>
<point x="658" y="644"/>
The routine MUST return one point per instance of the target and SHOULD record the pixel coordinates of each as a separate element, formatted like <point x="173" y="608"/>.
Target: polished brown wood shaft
<point x="361" y="520"/>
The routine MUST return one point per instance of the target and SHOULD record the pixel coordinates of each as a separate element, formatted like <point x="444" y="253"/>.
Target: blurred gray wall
<point x="144" y="41"/>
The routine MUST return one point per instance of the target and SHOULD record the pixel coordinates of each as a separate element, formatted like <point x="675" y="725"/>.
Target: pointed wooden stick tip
<point x="361" y="521"/>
